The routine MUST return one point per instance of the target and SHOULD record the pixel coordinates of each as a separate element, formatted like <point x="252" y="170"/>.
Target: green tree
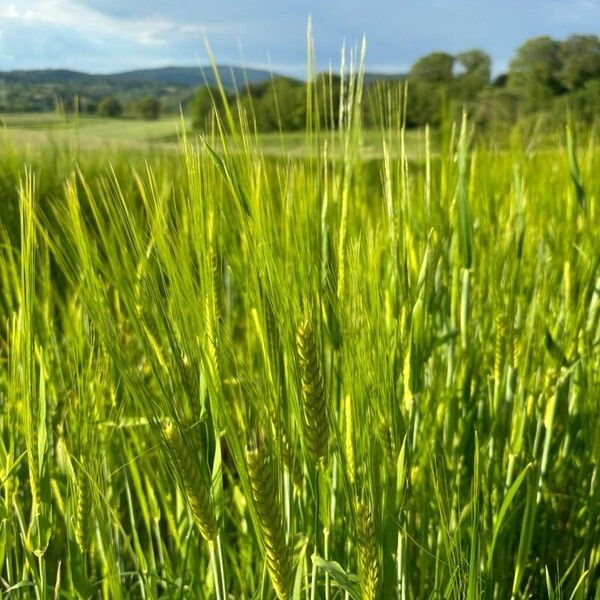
<point x="435" y="68"/>
<point x="584" y="103"/>
<point x="580" y="57"/>
<point x="205" y="103"/>
<point x="277" y="103"/>
<point x="429" y="84"/>
<point x="110" y="107"/>
<point x="148" y="108"/>
<point x="475" y="68"/>
<point x="534" y="72"/>
<point x="496" y="108"/>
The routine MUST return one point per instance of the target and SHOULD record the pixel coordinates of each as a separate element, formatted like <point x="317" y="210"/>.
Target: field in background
<point x="30" y="131"/>
<point x="35" y="131"/>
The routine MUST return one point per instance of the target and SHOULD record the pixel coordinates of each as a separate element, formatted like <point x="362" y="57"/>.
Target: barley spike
<point x="83" y="510"/>
<point x="315" y="416"/>
<point x="264" y="491"/>
<point x="195" y="490"/>
<point x="368" y="563"/>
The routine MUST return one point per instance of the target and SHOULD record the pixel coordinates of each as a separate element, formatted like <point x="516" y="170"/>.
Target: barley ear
<point x="195" y="490"/>
<point x="349" y="440"/>
<point x="264" y="491"/>
<point x="500" y="326"/>
<point x="388" y="443"/>
<point x="83" y="509"/>
<point x="34" y="471"/>
<point x="368" y="563"/>
<point x="315" y="414"/>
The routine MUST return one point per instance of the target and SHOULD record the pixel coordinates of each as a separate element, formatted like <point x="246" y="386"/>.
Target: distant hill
<point x="231" y="76"/>
<point x="45" y="76"/>
<point x="196" y="76"/>
<point x="175" y="76"/>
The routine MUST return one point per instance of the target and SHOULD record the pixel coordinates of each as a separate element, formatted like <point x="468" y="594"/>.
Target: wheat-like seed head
<point x="33" y="465"/>
<point x="83" y="509"/>
<point x="212" y="339"/>
<point x="368" y="562"/>
<point x="195" y="489"/>
<point x="264" y="491"/>
<point x="315" y="413"/>
<point x="500" y="344"/>
<point x="217" y="303"/>
<point x="388" y="443"/>
<point x="349" y="440"/>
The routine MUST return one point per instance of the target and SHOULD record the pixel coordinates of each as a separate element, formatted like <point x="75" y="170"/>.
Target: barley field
<point x="231" y="373"/>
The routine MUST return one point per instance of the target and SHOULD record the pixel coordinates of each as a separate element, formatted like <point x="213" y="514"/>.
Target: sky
<point x="104" y="36"/>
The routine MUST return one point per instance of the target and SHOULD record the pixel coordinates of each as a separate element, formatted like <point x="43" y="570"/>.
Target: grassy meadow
<point x="259" y="367"/>
<point x="32" y="131"/>
<point x="74" y="134"/>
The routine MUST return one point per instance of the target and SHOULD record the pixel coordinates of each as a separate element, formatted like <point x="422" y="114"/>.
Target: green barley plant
<point x="263" y="482"/>
<point x="368" y="563"/>
<point x="197" y="493"/>
<point x="313" y="393"/>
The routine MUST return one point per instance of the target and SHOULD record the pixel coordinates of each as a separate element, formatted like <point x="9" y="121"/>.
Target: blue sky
<point x="110" y="35"/>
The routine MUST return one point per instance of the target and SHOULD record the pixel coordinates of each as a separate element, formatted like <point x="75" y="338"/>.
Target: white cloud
<point x="9" y="11"/>
<point x="72" y="15"/>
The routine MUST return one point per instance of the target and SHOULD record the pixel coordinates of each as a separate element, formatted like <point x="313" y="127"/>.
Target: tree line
<point x="146" y="107"/>
<point x="545" y="78"/>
